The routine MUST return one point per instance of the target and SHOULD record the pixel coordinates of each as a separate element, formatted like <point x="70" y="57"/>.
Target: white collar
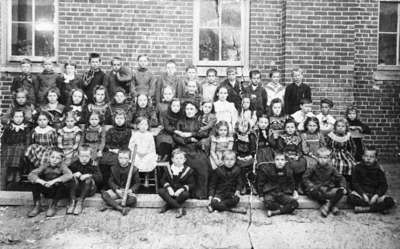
<point x="176" y="170"/>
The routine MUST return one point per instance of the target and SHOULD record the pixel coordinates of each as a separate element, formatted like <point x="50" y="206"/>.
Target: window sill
<point x="387" y="74"/>
<point x="15" y="68"/>
<point x="221" y="70"/>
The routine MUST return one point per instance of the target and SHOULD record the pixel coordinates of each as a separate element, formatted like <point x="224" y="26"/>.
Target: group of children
<point x="221" y="140"/>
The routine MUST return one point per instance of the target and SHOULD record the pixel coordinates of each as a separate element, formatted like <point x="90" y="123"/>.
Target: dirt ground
<point x="145" y="228"/>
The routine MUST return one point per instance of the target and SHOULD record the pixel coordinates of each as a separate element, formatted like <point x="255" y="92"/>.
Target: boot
<point x="243" y="191"/>
<point x="79" y="207"/>
<point x="181" y="213"/>
<point x="325" y="209"/>
<point x="273" y="212"/>
<point x="238" y="210"/>
<point x="124" y="211"/>
<point x="52" y="208"/>
<point x="164" y="209"/>
<point x="210" y="208"/>
<point x="35" y="211"/>
<point x="254" y="190"/>
<point x="71" y="207"/>
<point x="360" y="209"/>
<point x="335" y="210"/>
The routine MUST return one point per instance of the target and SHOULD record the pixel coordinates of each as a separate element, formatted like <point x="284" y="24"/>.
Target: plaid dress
<point x="44" y="140"/>
<point x="67" y="140"/>
<point x="342" y="148"/>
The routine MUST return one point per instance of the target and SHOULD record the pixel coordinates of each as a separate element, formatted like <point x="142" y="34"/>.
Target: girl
<point x="69" y="138"/>
<point x="187" y="135"/>
<point x="21" y="103"/>
<point x="77" y="105"/>
<point x="14" y="141"/>
<point x="68" y="81"/>
<point x="340" y="142"/>
<point x="248" y="113"/>
<point x="244" y="145"/>
<point x="144" y="109"/>
<point x="312" y="140"/>
<point x="357" y="130"/>
<point x="100" y="104"/>
<point x="54" y="108"/>
<point x="165" y="142"/>
<point x="264" y="149"/>
<point x="208" y="121"/>
<point x="146" y="157"/>
<point x="46" y="81"/>
<point x="221" y="142"/>
<point x="119" y="101"/>
<point x="162" y="107"/>
<point x="44" y="140"/>
<point x="224" y="110"/>
<point x="94" y="136"/>
<point x="277" y="117"/>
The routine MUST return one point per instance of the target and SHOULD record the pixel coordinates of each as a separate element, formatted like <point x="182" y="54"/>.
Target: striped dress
<point x="44" y="140"/>
<point x="68" y="141"/>
<point x="310" y="145"/>
<point x="342" y="152"/>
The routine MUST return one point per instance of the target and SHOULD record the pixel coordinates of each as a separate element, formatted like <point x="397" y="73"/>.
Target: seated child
<point x="21" y="103"/>
<point x="298" y="164"/>
<point x="324" y="184"/>
<point x="304" y="112"/>
<point x="86" y="176"/>
<point x="221" y="142"/>
<point x="326" y="121"/>
<point x="177" y="181"/>
<point x="144" y="108"/>
<point x="276" y="186"/>
<point x="277" y="117"/>
<point x="53" y="180"/>
<point x="311" y="139"/>
<point x="357" y="130"/>
<point x="69" y="138"/>
<point x="53" y="107"/>
<point x="225" y="185"/>
<point x="117" y="182"/>
<point x="77" y="105"/>
<point x="119" y="102"/>
<point x="208" y="121"/>
<point x="100" y="102"/>
<point x="94" y="135"/>
<point x="370" y="186"/>
<point x="247" y="111"/>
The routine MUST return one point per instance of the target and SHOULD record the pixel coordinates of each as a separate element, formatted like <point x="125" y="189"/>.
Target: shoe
<point x="51" y="211"/>
<point x="271" y="213"/>
<point x="35" y="211"/>
<point x="71" y="207"/>
<point x="125" y="211"/>
<point x="335" y="210"/>
<point x="324" y="210"/>
<point x="243" y="191"/>
<point x="254" y="190"/>
<point x="210" y="208"/>
<point x="164" y="209"/>
<point x="79" y="207"/>
<point x="238" y="210"/>
<point x="360" y="209"/>
<point x="181" y="213"/>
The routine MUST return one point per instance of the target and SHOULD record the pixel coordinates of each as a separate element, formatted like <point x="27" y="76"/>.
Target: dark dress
<point x="293" y="94"/>
<point x="357" y="130"/>
<point x="91" y="79"/>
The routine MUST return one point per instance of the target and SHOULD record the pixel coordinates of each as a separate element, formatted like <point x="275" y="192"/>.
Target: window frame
<point x="245" y="16"/>
<point x="8" y="29"/>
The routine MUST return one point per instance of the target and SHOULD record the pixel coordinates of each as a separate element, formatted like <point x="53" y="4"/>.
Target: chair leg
<point x="156" y="179"/>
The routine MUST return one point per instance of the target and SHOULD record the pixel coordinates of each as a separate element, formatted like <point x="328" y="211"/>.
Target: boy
<point x="225" y="185"/>
<point x="143" y="80"/>
<point x="191" y="93"/>
<point x="53" y="180"/>
<point x="324" y="184"/>
<point x="117" y="182"/>
<point x="191" y="75"/>
<point x="233" y="86"/>
<point x="210" y="85"/>
<point x="276" y="186"/>
<point x="296" y="92"/>
<point x="46" y="80"/>
<point x="86" y="176"/>
<point x="257" y="93"/>
<point x="118" y="77"/>
<point x="326" y="121"/>
<point x="370" y="186"/>
<point x="301" y="115"/>
<point x="95" y="76"/>
<point x="26" y="80"/>
<point x="274" y="88"/>
<point x="177" y="181"/>
<point x="169" y="78"/>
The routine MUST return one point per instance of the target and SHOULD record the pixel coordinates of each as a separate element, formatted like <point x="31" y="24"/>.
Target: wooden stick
<point x="128" y="182"/>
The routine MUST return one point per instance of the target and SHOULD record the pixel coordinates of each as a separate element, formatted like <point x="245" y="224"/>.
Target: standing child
<point x="15" y="139"/>
<point x="191" y="93"/>
<point x="171" y="79"/>
<point x="191" y="75"/>
<point x="257" y="93"/>
<point x="357" y="130"/>
<point x="94" y="136"/>
<point x="304" y="112"/>
<point x="176" y="183"/>
<point x="277" y="117"/>
<point x="117" y="181"/>
<point x="209" y="87"/>
<point x="100" y="103"/>
<point x="144" y="109"/>
<point x="295" y="92"/>
<point x="67" y="82"/>
<point x="69" y="138"/>
<point x="53" y="180"/>
<point x="44" y="140"/>
<point x="77" y="105"/>
<point x="324" y="184"/>
<point x="86" y="176"/>
<point x="118" y="77"/>
<point x="221" y="142"/>
<point x="370" y="185"/>
<point x="21" y="103"/>
<point x="224" y="110"/>
<point x="119" y="102"/>
<point x="143" y="81"/>
<point x="27" y="81"/>
<point x="341" y="144"/>
<point x="225" y="184"/>
<point x="208" y="121"/>
<point x="312" y="140"/>
<point x="234" y="87"/>
<point x="247" y="111"/>
<point x="94" y="77"/>
<point x="274" y="88"/>
<point x="276" y="186"/>
<point x="54" y="108"/>
<point x="326" y="121"/>
<point x="146" y="157"/>
<point x="46" y="81"/>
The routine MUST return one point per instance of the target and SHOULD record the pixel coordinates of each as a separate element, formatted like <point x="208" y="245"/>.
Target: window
<point x="389" y="46"/>
<point x="31" y="29"/>
<point x="221" y="32"/>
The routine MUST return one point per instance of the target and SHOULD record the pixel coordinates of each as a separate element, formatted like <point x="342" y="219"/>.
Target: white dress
<point x="326" y="123"/>
<point x="146" y="157"/>
<point x="226" y="111"/>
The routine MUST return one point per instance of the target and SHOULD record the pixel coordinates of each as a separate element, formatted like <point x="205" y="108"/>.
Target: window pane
<point x="21" y="40"/>
<point x="208" y="45"/>
<point x="209" y="14"/>
<point x="388" y="17"/>
<point x="22" y="10"/>
<point x="387" y="49"/>
<point x="44" y="11"/>
<point x="231" y="44"/>
<point x="231" y="13"/>
<point x="44" y="43"/>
